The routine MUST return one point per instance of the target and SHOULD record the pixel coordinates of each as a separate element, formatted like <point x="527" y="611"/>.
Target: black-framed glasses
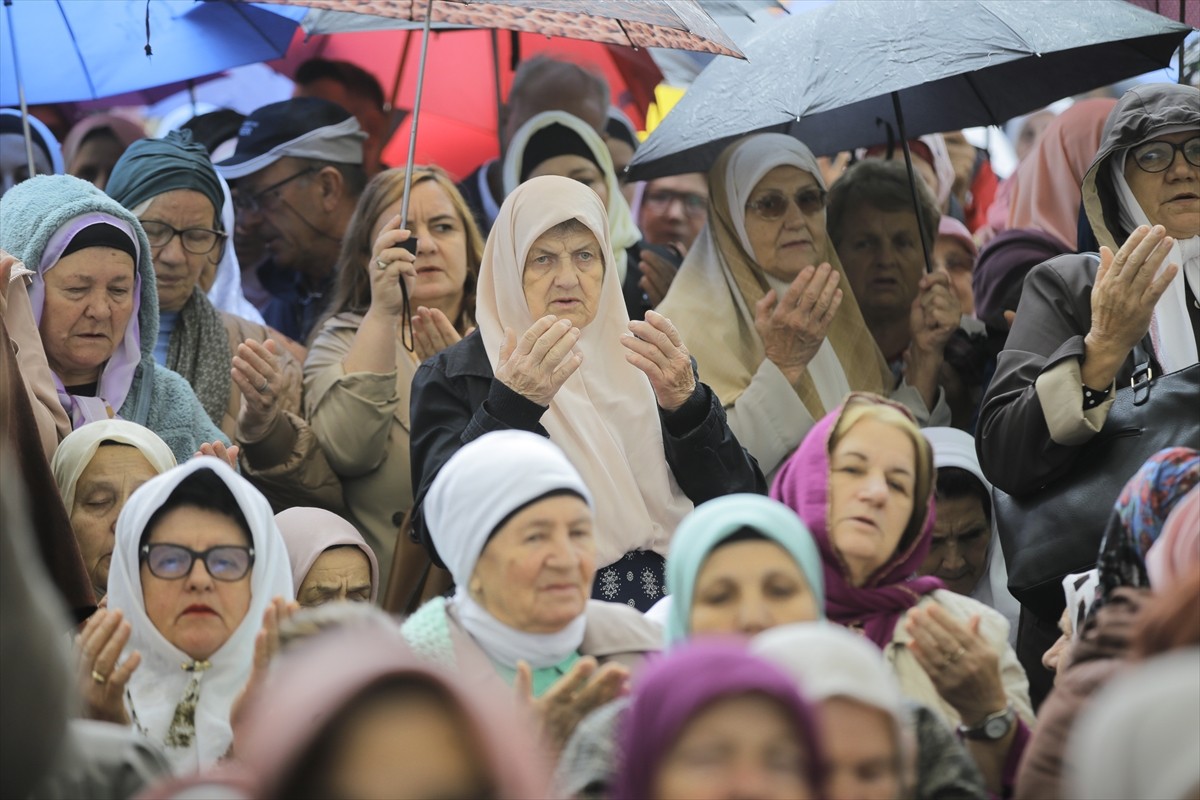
<point x="659" y="200"/>
<point x="197" y="241"/>
<point x="266" y="199"/>
<point x="774" y="204"/>
<point x="171" y="562"/>
<point x="1159" y="156"/>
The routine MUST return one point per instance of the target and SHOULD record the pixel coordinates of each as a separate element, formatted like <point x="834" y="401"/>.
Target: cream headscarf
<point x="158" y="686"/>
<point x="75" y="452"/>
<point x="623" y="232"/>
<point x="712" y="299"/>
<point x="605" y="417"/>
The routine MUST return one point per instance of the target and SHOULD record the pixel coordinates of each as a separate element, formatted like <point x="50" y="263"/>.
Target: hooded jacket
<point x="1032" y="422"/>
<point x="158" y="398"/>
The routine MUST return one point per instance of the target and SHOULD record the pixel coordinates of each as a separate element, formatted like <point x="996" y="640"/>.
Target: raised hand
<point x="266" y="647"/>
<point x="258" y="377"/>
<point x="391" y="263"/>
<point x="101" y="679"/>
<point x="581" y="691"/>
<point x="656" y="348"/>
<point x="657" y="274"/>
<point x="961" y="663"/>
<point x="935" y="315"/>
<point x="432" y="332"/>
<point x="539" y="363"/>
<point x="793" y="327"/>
<point x="218" y="449"/>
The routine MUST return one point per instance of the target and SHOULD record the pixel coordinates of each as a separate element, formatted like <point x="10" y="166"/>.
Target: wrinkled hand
<point x="537" y="365"/>
<point x="963" y="666"/>
<point x="433" y="332"/>
<point x="657" y="350"/>
<point x="793" y="327"/>
<point x="573" y="696"/>
<point x="386" y="295"/>
<point x="266" y="647"/>
<point x="657" y="274"/>
<point x="258" y="377"/>
<point x="101" y="680"/>
<point x="935" y="315"/>
<point x="218" y="449"/>
<point x="1126" y="291"/>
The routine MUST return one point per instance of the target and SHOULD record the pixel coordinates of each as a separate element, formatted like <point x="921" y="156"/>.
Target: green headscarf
<point x="714" y="522"/>
<point x="150" y="167"/>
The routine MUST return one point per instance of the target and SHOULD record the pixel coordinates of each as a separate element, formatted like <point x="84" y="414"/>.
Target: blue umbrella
<point x="70" y="50"/>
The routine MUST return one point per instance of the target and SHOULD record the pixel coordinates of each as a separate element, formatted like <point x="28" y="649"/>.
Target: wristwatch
<point x="993" y="728"/>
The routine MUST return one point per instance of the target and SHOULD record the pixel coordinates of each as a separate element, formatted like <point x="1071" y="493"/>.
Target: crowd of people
<point x="570" y="486"/>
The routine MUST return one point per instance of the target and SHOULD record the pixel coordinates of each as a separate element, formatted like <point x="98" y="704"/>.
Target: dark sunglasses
<point x="774" y="205"/>
<point x="171" y="562"/>
<point x="1159" y="156"/>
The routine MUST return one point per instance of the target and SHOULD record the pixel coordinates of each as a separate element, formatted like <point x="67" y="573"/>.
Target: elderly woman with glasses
<point x="764" y="306"/>
<point x="171" y="186"/>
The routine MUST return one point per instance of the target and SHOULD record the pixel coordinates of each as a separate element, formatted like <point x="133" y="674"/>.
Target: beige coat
<point x="17" y="314"/>
<point x="239" y="330"/>
<point x="361" y="421"/>
<point x="914" y="681"/>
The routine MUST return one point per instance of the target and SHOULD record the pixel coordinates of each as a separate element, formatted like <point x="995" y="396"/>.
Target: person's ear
<point x="332" y="187"/>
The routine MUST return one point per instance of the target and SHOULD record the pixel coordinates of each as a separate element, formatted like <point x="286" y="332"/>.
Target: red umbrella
<point x="458" y="112"/>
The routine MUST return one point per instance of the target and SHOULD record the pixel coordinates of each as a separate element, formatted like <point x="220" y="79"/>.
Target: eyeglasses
<point x="197" y="241"/>
<point x="1159" y="156"/>
<point x="774" y="205"/>
<point x="658" y="201"/>
<point x="171" y="562"/>
<point x="268" y="197"/>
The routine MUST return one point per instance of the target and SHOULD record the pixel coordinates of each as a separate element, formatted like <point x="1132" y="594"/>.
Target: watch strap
<point x="979" y="732"/>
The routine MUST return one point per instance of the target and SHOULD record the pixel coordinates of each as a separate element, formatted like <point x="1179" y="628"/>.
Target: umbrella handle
<point x="912" y="182"/>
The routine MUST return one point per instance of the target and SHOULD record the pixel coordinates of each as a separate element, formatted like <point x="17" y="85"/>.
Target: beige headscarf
<point x="605" y="417"/>
<point x="712" y="298"/>
<point x="75" y="452"/>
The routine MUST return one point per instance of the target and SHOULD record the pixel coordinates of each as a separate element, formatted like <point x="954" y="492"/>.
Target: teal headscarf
<point x="715" y="521"/>
<point x="150" y="167"/>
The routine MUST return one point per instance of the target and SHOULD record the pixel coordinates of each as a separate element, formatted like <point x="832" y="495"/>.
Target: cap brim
<point x="240" y="166"/>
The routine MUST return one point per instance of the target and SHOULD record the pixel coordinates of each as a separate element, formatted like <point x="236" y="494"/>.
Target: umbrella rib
<point x="87" y="76"/>
<point x="982" y="100"/>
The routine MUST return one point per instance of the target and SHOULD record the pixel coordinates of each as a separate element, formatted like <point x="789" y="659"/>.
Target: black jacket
<point x="455" y="400"/>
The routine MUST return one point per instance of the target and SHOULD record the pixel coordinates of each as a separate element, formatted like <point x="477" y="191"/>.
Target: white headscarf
<point x="1171" y="326"/>
<point x="477" y="490"/>
<point x="75" y="452"/>
<point x="605" y="417"/>
<point x="158" y="685"/>
<point x="1140" y="735"/>
<point x="226" y="291"/>
<point x="955" y="448"/>
<point x="623" y="231"/>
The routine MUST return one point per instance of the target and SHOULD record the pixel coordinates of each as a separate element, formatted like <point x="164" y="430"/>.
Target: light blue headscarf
<point x="715" y="521"/>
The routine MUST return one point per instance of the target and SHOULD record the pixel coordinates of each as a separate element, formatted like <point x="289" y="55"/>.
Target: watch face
<point x="996" y="728"/>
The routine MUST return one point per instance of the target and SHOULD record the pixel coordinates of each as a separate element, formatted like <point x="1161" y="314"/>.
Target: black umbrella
<point x="838" y="76"/>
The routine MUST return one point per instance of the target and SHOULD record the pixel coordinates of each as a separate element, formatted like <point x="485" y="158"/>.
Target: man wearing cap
<point x="296" y="176"/>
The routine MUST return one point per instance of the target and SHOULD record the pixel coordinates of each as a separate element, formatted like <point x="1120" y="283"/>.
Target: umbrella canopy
<point x="67" y="50"/>
<point x="681" y="24"/>
<point x="828" y="77"/>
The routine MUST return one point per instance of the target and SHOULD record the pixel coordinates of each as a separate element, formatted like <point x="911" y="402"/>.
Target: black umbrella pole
<point x="912" y="181"/>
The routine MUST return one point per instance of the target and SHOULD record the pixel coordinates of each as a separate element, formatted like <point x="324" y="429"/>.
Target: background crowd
<point x="571" y="486"/>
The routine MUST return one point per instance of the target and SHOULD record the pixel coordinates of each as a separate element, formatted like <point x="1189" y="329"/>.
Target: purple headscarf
<point x="802" y="484"/>
<point x="682" y="683"/>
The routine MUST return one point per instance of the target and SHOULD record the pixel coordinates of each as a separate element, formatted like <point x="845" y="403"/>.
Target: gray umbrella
<point x="837" y="76"/>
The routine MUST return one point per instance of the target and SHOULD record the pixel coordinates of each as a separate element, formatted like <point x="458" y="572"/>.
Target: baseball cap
<point x="303" y="127"/>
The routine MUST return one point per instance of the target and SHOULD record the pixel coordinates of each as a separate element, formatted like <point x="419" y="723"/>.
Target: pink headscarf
<point x="308" y="532"/>
<point x="124" y="130"/>
<point x="311" y="684"/>
<point x="1177" y="551"/>
<point x="802" y="484"/>
<point x="1046" y="188"/>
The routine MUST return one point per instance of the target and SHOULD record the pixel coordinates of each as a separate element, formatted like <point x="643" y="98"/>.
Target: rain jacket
<point x="1032" y="422"/>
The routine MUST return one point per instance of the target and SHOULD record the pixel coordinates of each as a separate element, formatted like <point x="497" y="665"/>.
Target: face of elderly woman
<point x="340" y="573"/>
<point x="785" y="222"/>
<point x="89" y="300"/>
<point x="577" y="168"/>
<point x="881" y="253"/>
<point x="403" y="743"/>
<point x="441" y="243"/>
<point x="196" y="613"/>
<point x="1171" y="197"/>
<point x="747" y="587"/>
<point x="176" y="268"/>
<point x="104" y="486"/>
<point x="741" y="746"/>
<point x="535" y="574"/>
<point x="564" y="272"/>
<point x="861" y="750"/>
<point x="871" y="483"/>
